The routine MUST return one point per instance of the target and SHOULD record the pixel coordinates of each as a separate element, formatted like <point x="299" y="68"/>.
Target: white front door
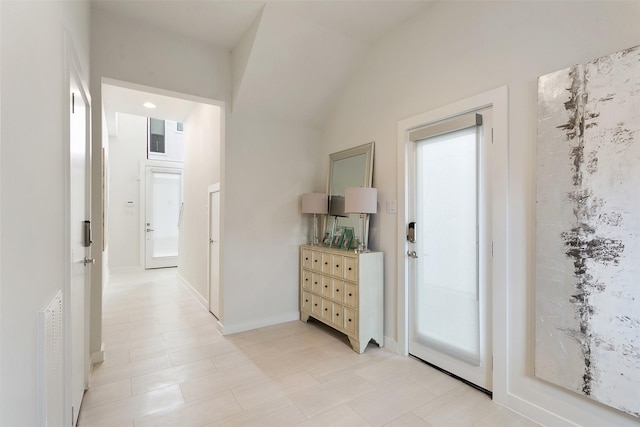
<point x="214" y="250"/>
<point x="450" y="247"/>
<point x="79" y="198"/>
<point x="162" y="215"/>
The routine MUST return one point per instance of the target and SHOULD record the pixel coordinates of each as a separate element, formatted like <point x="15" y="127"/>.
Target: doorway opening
<point x="155" y="202"/>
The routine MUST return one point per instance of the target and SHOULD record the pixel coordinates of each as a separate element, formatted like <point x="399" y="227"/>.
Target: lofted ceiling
<point x="291" y="58"/>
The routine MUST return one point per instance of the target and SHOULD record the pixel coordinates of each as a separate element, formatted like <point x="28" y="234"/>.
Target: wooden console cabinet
<point x="343" y="289"/>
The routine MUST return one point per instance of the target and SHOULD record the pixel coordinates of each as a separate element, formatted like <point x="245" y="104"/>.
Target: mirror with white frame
<point x="348" y="168"/>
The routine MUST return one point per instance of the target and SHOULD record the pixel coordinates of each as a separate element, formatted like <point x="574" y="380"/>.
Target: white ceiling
<point x="223" y="22"/>
<point x="302" y="55"/>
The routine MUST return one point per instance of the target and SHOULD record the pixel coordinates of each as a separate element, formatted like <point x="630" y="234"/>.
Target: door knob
<point x="149" y="229"/>
<point x="412" y="254"/>
<point x="88" y="261"/>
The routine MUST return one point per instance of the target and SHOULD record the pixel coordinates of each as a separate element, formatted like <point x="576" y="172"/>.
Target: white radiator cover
<point x="51" y="364"/>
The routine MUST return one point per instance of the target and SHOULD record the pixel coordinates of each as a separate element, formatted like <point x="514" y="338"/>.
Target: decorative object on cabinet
<point x="336" y="240"/>
<point x="362" y="201"/>
<point x="347" y="168"/>
<point x="314" y="203"/>
<point x="587" y="241"/>
<point x="326" y="240"/>
<point x="345" y="291"/>
<point x="347" y="238"/>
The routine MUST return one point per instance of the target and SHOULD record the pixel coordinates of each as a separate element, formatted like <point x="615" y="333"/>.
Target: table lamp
<point x="363" y="201"/>
<point x="315" y="203"/>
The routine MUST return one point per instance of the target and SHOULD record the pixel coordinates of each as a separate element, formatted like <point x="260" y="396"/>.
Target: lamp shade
<point x="314" y="203"/>
<point x="361" y="200"/>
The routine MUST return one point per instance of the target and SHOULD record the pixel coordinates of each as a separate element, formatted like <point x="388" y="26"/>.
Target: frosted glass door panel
<point x="166" y="209"/>
<point x="446" y="292"/>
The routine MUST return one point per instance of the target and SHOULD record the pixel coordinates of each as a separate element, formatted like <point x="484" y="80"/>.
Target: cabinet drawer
<point x="337" y="267"/>
<point x="326" y="286"/>
<point x="306" y="279"/>
<point x="326" y="263"/>
<point x="338" y="315"/>
<point x="350" y="269"/>
<point x="349" y="319"/>
<point x="316" y="305"/>
<point x="350" y="295"/>
<point x="337" y="287"/>
<point x="316" y="260"/>
<point x="316" y="282"/>
<point x="306" y="302"/>
<point x="306" y="258"/>
<point x="327" y="309"/>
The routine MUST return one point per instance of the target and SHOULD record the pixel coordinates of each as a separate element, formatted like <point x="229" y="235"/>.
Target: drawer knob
<point x="315" y="305"/>
<point x="326" y="263"/>
<point x="326" y="286"/>
<point x="337" y="314"/>
<point x="337" y="265"/>
<point x="349" y="268"/>
<point x="337" y="290"/>
<point x="349" y="320"/>
<point x="326" y="309"/>
<point x="350" y="294"/>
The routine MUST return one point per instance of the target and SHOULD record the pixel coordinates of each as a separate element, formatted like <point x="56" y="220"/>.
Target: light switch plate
<point x="391" y="207"/>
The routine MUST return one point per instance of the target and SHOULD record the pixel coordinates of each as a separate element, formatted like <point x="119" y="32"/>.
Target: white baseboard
<point x="98" y="356"/>
<point x="202" y="300"/>
<point x="233" y="329"/>
<point x="390" y="344"/>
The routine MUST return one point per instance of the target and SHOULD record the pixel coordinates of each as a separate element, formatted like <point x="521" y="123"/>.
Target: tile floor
<point x="166" y="365"/>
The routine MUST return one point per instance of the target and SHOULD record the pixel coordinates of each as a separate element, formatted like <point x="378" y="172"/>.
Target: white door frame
<point x="73" y="74"/>
<point x="213" y="188"/>
<point x="143" y="200"/>
<point x="498" y="100"/>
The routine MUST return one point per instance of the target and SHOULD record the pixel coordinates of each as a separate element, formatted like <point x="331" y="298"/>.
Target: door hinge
<point x="73" y="410"/>
<point x="491" y="249"/>
<point x="73" y="103"/>
<point x="492" y="135"/>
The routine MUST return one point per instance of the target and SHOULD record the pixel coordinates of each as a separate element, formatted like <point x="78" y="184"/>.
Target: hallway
<point x="166" y="365"/>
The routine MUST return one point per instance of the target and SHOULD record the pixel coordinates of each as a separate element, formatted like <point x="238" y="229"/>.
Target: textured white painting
<point x="588" y="230"/>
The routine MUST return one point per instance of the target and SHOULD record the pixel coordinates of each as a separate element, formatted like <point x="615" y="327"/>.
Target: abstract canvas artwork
<point x="588" y="230"/>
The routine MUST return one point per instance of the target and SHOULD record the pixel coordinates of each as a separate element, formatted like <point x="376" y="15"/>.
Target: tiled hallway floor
<point x="166" y="365"/>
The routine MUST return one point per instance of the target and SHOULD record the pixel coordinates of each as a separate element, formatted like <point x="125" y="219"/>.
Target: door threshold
<point x="467" y="382"/>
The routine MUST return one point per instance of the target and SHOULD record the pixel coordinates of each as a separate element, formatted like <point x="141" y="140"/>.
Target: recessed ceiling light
<point x="149" y="105"/>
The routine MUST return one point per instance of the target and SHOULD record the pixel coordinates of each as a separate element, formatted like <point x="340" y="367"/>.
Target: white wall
<point x="32" y="173"/>
<point x="456" y="50"/>
<point x="201" y="169"/>
<point x="127" y="151"/>
<point x="267" y="167"/>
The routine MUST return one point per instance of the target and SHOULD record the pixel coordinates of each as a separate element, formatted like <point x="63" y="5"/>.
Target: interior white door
<point x="214" y="251"/>
<point x="162" y="216"/>
<point x="80" y="184"/>
<point x="450" y="250"/>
